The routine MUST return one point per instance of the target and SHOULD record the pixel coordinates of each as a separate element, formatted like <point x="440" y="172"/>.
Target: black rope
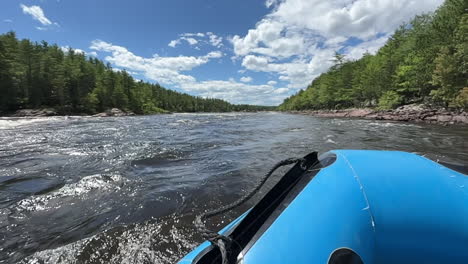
<point x="223" y="242"/>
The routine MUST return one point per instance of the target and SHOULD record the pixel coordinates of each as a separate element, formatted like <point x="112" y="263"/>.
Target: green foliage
<point x="390" y="100"/>
<point x="36" y="75"/>
<point x="444" y="74"/>
<point x="149" y="108"/>
<point x="426" y="59"/>
<point x="91" y="102"/>
<point x="462" y="99"/>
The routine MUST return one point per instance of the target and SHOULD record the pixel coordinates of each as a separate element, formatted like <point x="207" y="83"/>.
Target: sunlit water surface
<point x="126" y="190"/>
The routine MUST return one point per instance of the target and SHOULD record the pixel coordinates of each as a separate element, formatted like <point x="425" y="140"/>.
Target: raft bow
<point x="349" y="206"/>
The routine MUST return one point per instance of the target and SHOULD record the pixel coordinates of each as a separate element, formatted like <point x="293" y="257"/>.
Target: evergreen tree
<point x="36" y="75"/>
<point x="425" y="60"/>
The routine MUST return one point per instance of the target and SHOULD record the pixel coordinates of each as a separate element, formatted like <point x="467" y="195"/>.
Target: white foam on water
<point x="393" y="124"/>
<point x="328" y="139"/>
<point x="76" y="153"/>
<point x="134" y="245"/>
<point x="64" y="254"/>
<point x="297" y="129"/>
<point x="85" y="185"/>
<point x="8" y="123"/>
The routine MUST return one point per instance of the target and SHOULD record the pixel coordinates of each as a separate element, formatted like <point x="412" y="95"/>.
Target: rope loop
<point x="220" y="241"/>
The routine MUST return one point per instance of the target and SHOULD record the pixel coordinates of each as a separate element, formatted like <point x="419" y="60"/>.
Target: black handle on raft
<point x="229" y="246"/>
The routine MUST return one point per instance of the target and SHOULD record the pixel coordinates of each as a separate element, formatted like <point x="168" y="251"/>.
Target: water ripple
<point x="125" y="190"/>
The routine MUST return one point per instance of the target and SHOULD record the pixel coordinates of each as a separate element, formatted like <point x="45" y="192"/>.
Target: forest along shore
<point x="406" y="113"/>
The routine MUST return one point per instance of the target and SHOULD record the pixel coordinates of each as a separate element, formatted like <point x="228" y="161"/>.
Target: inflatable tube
<point x="358" y="206"/>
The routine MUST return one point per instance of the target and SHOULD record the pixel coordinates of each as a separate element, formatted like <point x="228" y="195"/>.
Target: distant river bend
<point x="125" y="190"/>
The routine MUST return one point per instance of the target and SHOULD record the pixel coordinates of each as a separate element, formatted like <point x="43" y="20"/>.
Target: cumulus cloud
<point x="270" y="3"/>
<point x="193" y="34"/>
<point x="298" y="39"/>
<point x="161" y="69"/>
<point x="237" y="92"/>
<point x="191" y="41"/>
<point x="174" y="43"/>
<point x="246" y="79"/>
<point x="294" y="43"/>
<point x="198" y="38"/>
<point x="171" y="71"/>
<point x="298" y="72"/>
<point x="371" y="46"/>
<point x="281" y="90"/>
<point x="37" y="13"/>
<point x="214" y="54"/>
<point x="67" y="48"/>
<point x="215" y="40"/>
<point x="350" y="18"/>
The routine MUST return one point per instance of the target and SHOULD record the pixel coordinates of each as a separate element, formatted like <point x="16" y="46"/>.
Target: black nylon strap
<point x="228" y="248"/>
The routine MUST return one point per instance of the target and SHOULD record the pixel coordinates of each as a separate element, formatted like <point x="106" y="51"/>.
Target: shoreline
<point x="113" y="112"/>
<point x="407" y="113"/>
<point x="49" y="112"/>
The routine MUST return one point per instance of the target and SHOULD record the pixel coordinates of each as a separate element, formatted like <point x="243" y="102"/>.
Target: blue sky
<point x="243" y="51"/>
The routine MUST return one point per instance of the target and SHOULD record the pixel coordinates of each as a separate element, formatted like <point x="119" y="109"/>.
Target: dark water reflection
<point x="125" y="190"/>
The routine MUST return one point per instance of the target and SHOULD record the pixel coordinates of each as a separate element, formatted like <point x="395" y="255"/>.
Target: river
<point x="126" y="189"/>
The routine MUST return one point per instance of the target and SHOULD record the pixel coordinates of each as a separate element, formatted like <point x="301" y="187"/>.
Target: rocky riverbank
<point x="114" y="112"/>
<point x="52" y="112"/>
<point x="407" y="113"/>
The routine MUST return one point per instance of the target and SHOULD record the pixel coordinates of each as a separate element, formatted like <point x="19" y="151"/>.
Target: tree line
<point x="424" y="61"/>
<point x="36" y="75"/>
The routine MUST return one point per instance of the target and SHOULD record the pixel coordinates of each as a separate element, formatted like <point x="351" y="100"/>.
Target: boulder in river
<point x="114" y="112"/>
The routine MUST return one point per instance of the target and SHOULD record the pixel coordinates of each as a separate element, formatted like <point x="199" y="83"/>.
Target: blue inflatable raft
<point x="353" y="206"/>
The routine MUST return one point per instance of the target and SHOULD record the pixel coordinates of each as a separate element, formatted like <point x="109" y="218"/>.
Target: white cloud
<point x="198" y="38"/>
<point x="79" y="51"/>
<point x="170" y="72"/>
<point x="270" y="3"/>
<point x="246" y="79"/>
<point x="214" y="54"/>
<point x="92" y="54"/>
<point x="371" y="46"/>
<point x="298" y="39"/>
<point x="350" y="18"/>
<point x="215" y="40"/>
<point x="165" y="70"/>
<point x="67" y="48"/>
<point x="272" y="83"/>
<point x="191" y="41"/>
<point x="236" y="92"/>
<point x="174" y="43"/>
<point x="7" y="20"/>
<point x="37" y="13"/>
<point x="298" y="72"/>
<point x="193" y="34"/>
<point x="281" y="90"/>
